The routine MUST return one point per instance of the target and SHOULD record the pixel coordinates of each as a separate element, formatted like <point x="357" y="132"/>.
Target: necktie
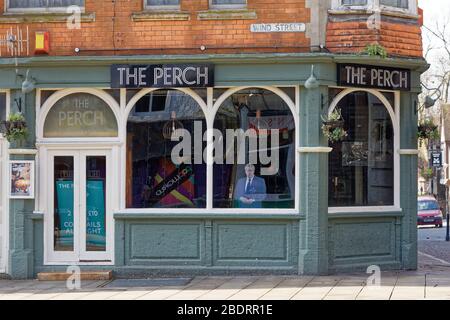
<point x="249" y="183"/>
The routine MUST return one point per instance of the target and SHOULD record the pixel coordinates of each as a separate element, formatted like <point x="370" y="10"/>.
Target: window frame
<point x="374" y="5"/>
<point x="148" y="7"/>
<point x="226" y="6"/>
<point x="394" y="112"/>
<point x="39" y="10"/>
<point x="7" y="102"/>
<point x="4" y="214"/>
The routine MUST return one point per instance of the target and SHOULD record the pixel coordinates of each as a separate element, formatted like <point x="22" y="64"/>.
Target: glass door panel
<point x="95" y="203"/>
<point x="63" y="206"/>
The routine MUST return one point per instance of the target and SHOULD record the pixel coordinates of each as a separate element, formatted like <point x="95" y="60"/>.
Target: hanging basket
<point x="333" y="127"/>
<point x="428" y="130"/>
<point x="15" y="128"/>
<point x="333" y="124"/>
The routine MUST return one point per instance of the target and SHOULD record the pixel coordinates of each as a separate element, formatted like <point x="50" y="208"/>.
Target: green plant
<point x="427" y="130"/>
<point x="375" y="50"/>
<point x="427" y="173"/>
<point x="15" y="127"/>
<point x="333" y="126"/>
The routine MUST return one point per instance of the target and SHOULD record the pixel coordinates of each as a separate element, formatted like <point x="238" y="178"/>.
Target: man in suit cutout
<point x="251" y="190"/>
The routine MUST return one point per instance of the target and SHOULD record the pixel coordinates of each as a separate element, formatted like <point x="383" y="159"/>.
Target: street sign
<point x="436" y="159"/>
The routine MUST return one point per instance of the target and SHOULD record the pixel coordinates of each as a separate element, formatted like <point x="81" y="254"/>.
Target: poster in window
<point x="354" y="154"/>
<point x="21" y="175"/>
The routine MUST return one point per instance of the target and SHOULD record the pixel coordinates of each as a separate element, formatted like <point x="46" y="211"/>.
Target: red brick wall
<point x="400" y="39"/>
<point x="219" y="36"/>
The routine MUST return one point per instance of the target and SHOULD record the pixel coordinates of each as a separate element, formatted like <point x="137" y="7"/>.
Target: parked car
<point x="429" y="212"/>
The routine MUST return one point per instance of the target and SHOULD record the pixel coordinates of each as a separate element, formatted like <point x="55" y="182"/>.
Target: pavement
<point x="430" y="282"/>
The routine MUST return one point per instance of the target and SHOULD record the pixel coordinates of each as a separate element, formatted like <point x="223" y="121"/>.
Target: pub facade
<point x="209" y="137"/>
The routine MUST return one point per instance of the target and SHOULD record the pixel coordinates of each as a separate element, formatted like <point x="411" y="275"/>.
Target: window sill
<point x="227" y="14"/>
<point x="133" y="214"/>
<point x="44" y="17"/>
<point x="384" y="12"/>
<point x="159" y="15"/>
<point x="352" y="212"/>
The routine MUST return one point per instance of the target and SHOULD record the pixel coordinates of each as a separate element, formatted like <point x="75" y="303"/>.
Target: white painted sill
<point x="381" y="209"/>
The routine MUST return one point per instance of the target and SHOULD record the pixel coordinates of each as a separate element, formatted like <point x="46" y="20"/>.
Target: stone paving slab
<point x="414" y="285"/>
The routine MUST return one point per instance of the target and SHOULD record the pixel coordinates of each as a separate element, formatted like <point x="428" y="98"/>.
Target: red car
<point x="429" y="213"/>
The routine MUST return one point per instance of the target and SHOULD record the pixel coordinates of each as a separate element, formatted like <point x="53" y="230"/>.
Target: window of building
<point x="361" y="167"/>
<point x="409" y="6"/>
<point x="403" y="4"/>
<point x="254" y="157"/>
<point x="252" y="153"/>
<point x="162" y="4"/>
<point x="160" y="172"/>
<point x="42" y="5"/>
<point x="225" y="4"/>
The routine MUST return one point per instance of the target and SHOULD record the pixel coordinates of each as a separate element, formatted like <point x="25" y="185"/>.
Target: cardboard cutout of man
<point x="251" y="190"/>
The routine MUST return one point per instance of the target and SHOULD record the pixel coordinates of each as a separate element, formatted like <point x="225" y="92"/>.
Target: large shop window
<point x="160" y="172"/>
<point x="361" y="167"/>
<point x="43" y="4"/>
<point x="254" y="152"/>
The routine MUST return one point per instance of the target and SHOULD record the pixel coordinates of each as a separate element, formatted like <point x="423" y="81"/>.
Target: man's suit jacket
<point x="256" y="190"/>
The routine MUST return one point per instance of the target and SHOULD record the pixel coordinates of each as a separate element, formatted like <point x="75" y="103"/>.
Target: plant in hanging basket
<point x="427" y="130"/>
<point x="15" y="128"/>
<point x="426" y="173"/>
<point x="333" y="126"/>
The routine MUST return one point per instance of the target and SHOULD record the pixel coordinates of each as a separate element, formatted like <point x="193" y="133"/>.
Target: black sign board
<point x="162" y="76"/>
<point x="436" y="159"/>
<point x="365" y="76"/>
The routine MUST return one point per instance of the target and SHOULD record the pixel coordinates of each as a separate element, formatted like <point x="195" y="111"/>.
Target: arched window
<point x="80" y="115"/>
<point x="254" y="152"/>
<point x="361" y="167"/>
<point x="159" y="174"/>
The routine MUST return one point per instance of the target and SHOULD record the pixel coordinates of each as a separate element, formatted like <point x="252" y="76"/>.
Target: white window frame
<point x="375" y="5"/>
<point x="162" y="8"/>
<point x="394" y="113"/>
<point x="4" y="249"/>
<point x="210" y="109"/>
<point x="226" y="6"/>
<point x="39" y="10"/>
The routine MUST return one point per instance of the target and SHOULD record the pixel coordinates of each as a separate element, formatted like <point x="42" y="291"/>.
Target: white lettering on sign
<point x="162" y="76"/>
<point x="377" y="77"/>
<point x="278" y="27"/>
<point x="81" y="118"/>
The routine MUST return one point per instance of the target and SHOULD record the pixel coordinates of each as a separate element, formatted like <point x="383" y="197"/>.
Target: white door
<point x="79" y="220"/>
<point x="3" y="211"/>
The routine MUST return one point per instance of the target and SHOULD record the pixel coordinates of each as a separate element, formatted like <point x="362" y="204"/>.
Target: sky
<point x="434" y="10"/>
